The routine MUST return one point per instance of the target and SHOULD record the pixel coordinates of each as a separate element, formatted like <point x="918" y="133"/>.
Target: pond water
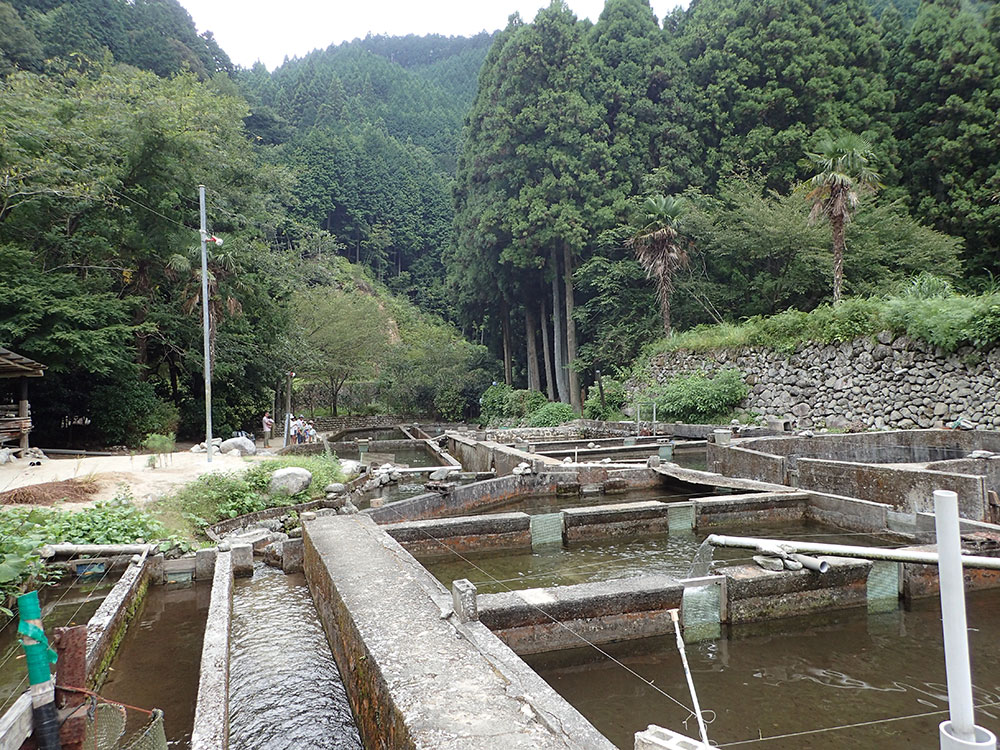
<point x="535" y="504"/>
<point x="285" y="690"/>
<point x="68" y="604"/>
<point x="416" y="457"/>
<point x="385" y="433"/>
<point x="559" y="565"/>
<point x="159" y="658"/>
<point x="822" y="676"/>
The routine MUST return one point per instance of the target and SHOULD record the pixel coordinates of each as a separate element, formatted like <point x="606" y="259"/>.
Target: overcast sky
<point x="269" y="30"/>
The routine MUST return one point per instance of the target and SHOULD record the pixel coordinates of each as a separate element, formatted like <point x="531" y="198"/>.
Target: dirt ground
<point x="110" y="472"/>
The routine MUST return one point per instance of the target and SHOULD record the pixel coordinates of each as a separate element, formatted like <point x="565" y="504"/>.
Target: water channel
<point x="560" y="565"/>
<point x="790" y="676"/>
<point x="159" y="658"/>
<point x="285" y="690"/>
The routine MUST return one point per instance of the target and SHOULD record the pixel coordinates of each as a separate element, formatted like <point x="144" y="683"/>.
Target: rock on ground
<point x="290" y="481"/>
<point x="244" y="445"/>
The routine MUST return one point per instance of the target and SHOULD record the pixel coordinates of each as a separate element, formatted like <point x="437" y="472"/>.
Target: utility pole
<point x="205" y="313"/>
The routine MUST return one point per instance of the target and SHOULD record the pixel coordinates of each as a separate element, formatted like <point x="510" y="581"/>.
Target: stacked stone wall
<point x="877" y="382"/>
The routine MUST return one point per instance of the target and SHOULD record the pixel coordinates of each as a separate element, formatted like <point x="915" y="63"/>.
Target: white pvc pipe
<point x="690" y="680"/>
<point x="956" y="638"/>
<point x="843" y="550"/>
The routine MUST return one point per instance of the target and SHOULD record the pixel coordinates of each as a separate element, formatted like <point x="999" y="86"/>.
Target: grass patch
<point x="214" y="497"/>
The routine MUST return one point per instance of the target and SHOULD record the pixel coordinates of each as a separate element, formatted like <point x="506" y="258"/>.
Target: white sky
<point x="268" y="30"/>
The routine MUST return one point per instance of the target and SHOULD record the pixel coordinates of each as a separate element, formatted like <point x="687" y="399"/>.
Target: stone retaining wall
<point x="887" y="381"/>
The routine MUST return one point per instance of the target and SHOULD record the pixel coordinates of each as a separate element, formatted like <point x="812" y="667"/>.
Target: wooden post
<point x="22" y="412"/>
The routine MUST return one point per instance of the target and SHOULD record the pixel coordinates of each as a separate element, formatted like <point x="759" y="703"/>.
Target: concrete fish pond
<point x="833" y="671"/>
<point x="507" y="597"/>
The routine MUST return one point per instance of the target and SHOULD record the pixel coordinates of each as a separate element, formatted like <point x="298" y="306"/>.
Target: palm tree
<point x="843" y="176"/>
<point x="656" y="246"/>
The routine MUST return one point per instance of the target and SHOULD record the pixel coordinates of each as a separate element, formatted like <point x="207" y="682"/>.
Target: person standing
<point x="268" y="424"/>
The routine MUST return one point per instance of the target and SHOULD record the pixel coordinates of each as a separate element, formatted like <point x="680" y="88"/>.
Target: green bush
<point x="700" y="399"/>
<point x="615" y="398"/>
<point x="124" y="412"/>
<point x="493" y="403"/>
<point x="522" y="403"/>
<point x="551" y="415"/>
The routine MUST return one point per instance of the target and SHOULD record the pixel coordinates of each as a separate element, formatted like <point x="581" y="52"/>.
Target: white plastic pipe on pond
<point x="961" y="731"/>
<point x="844" y="550"/>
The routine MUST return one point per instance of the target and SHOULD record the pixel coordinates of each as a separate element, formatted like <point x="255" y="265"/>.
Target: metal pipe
<point x="205" y="326"/>
<point x="52" y="550"/>
<point x="843" y="550"/>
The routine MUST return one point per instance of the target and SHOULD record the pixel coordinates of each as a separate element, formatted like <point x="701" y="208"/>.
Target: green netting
<point x="546" y="528"/>
<point x="106" y="730"/>
<point x="680" y="517"/>
<point x="883" y="586"/>
<point x="700" y="614"/>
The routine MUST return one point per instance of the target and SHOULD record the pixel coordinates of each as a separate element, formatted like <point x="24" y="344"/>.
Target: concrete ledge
<point x="758" y="507"/>
<point x="647" y="518"/>
<point x="547" y="619"/>
<point x="417" y="680"/>
<point x="211" y="716"/>
<point x="848" y="512"/>
<point x="499" y="531"/>
<point x="756" y="594"/>
<point x="107" y="627"/>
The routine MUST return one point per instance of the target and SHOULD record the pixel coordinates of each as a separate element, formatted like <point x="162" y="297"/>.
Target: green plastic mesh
<point x="106" y="730"/>
<point x="105" y="727"/>
<point x="883" y="586"/>
<point x="546" y="528"/>
<point x="680" y="517"/>
<point x="700" y="613"/>
<point x="150" y="737"/>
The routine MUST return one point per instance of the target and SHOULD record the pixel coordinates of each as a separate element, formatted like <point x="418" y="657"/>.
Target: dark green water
<point x="159" y="658"/>
<point x="618" y="558"/>
<point x="788" y="676"/>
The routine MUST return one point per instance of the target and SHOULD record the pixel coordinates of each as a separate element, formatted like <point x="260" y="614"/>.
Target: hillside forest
<point x="408" y="219"/>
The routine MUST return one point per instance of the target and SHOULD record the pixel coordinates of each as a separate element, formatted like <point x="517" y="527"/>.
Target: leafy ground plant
<point x="701" y="399"/>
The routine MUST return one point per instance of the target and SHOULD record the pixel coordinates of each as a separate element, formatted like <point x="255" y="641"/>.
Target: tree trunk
<point x="837" y="222"/>
<point x="531" y="334"/>
<point x="666" y="290"/>
<point x="550" y="386"/>
<point x="574" y="376"/>
<point x="557" y="334"/>
<point x="508" y="369"/>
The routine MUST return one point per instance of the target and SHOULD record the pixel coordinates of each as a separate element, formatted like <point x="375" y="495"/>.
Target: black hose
<point x="46" y="730"/>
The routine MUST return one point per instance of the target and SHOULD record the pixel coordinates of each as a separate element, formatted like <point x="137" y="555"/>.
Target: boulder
<point x="245" y="446"/>
<point x="335" y="488"/>
<point x="6" y="456"/>
<point x="289" y="481"/>
<point x="438" y="474"/>
<point x="272" y="554"/>
<point x="350" y="467"/>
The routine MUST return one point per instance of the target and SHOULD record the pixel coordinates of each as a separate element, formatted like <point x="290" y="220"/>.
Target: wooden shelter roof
<point x="13" y="365"/>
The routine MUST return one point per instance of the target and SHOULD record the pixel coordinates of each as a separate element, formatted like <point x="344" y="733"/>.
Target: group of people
<point x="300" y="431"/>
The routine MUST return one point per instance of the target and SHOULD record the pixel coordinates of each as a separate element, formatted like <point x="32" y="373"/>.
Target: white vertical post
<point x="638" y="409"/>
<point x="654" y="419"/>
<point x="205" y="313"/>
<point x="961" y="731"/>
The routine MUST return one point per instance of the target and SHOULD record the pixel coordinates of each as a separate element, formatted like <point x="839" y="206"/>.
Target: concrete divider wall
<point x="420" y="680"/>
<point x="737" y="461"/>
<point x="444" y="537"/>
<point x="211" y="717"/>
<point x="756" y="594"/>
<point x="549" y="619"/>
<point x="904" y="488"/>
<point x="470" y="497"/>
<point x="848" y="512"/>
<point x="108" y="625"/>
<point x="755" y="508"/>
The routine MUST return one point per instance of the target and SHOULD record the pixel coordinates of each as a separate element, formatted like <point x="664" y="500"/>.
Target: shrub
<point x="522" y="403"/>
<point x="551" y="415"/>
<point x="700" y="399"/>
<point x="493" y="403"/>
<point x="615" y="398"/>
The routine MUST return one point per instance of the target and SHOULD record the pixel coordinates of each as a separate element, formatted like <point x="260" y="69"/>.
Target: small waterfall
<point x="701" y="565"/>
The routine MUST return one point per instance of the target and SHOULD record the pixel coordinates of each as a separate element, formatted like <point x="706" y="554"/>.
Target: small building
<point x="15" y="413"/>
